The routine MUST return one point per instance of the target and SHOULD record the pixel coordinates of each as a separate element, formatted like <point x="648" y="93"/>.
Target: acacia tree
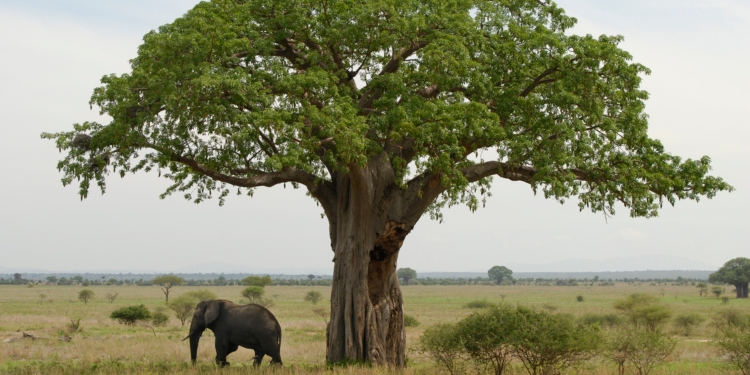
<point x="735" y="272"/>
<point x="384" y="111"/>
<point x="167" y="282"/>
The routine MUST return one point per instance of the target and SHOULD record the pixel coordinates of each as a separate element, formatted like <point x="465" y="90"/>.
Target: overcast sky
<point x="53" y="53"/>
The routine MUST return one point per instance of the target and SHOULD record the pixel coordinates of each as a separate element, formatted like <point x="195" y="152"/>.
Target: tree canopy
<point x="258" y="93"/>
<point x="735" y="272"/>
<point x="500" y="273"/>
<point x="167" y="282"/>
<point x="407" y="274"/>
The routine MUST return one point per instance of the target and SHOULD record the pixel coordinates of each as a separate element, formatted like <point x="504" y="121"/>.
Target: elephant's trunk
<point x="194" y="338"/>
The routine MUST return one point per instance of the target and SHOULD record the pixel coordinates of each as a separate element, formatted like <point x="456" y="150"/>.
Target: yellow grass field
<point x="106" y="347"/>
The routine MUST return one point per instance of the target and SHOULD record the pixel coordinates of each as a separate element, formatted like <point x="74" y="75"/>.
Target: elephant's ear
<point x="211" y="312"/>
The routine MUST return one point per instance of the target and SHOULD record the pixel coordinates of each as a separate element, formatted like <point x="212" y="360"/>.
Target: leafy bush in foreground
<point x="544" y="342"/>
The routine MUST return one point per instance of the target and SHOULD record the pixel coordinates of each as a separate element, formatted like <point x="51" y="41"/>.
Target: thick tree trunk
<point x="741" y="290"/>
<point x="367" y="320"/>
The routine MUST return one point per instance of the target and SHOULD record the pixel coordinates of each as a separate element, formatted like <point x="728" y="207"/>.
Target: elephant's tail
<point x="278" y="334"/>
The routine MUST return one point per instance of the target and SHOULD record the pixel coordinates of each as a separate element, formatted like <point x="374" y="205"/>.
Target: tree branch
<point x="540" y="80"/>
<point x="365" y="103"/>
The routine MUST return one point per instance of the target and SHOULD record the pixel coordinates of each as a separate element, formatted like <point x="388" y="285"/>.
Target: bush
<point x="183" y="307"/>
<point x="257" y="281"/>
<point x="313" y="296"/>
<point x="442" y="343"/>
<point x="85" y="295"/>
<point x="546" y="343"/>
<point x="159" y="319"/>
<point x="604" y="320"/>
<point x="639" y="347"/>
<point x="201" y="295"/>
<point x="478" y="304"/>
<point x="733" y="342"/>
<point x="644" y="310"/>
<point x="579" y="298"/>
<point x="685" y="323"/>
<point x="253" y="293"/>
<point x="410" y="321"/>
<point x="488" y="336"/>
<point x="130" y="315"/>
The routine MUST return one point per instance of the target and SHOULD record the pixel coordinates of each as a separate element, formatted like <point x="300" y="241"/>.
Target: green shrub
<point x="313" y="296"/>
<point x="253" y="293"/>
<point x="410" y="321"/>
<point x="85" y="295"/>
<point x="183" y="307"/>
<point x="579" y="298"/>
<point x="442" y="343"/>
<point x="257" y="281"/>
<point x="733" y="342"/>
<point x="130" y="315"/>
<point x="488" y="336"/>
<point x="604" y="320"/>
<point x="159" y="319"/>
<point x="644" y="310"/>
<point x="641" y="348"/>
<point x="546" y="343"/>
<point x="686" y="322"/>
<point x="201" y="295"/>
<point x="478" y="304"/>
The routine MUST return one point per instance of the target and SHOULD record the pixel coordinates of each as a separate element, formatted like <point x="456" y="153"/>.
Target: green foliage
<point x="444" y="345"/>
<point x="292" y="91"/>
<point x="313" y="296"/>
<point x="159" y="319"/>
<point x="130" y="315"/>
<point x="183" y="306"/>
<point x="729" y="319"/>
<point x="643" y="310"/>
<point x="640" y="348"/>
<point x="407" y="274"/>
<point x="735" y="272"/>
<point x="717" y="291"/>
<point x="733" y="342"/>
<point x="686" y="322"/>
<point x="579" y="298"/>
<point x="603" y="320"/>
<point x="253" y="293"/>
<point x="545" y="343"/>
<point x="85" y="295"/>
<point x="478" y="304"/>
<point x="500" y="273"/>
<point x="257" y="281"/>
<point x="168" y="281"/>
<point x="201" y="295"/>
<point x="410" y="321"/>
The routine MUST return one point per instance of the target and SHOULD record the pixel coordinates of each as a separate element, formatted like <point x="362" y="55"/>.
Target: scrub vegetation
<point x="715" y="342"/>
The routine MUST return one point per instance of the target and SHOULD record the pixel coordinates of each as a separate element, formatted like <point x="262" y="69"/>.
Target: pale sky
<point x="53" y="53"/>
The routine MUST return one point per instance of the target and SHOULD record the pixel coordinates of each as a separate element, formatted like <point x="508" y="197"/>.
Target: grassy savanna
<point x="104" y="346"/>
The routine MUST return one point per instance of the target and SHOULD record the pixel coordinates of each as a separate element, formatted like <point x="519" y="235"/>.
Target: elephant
<point x="249" y="326"/>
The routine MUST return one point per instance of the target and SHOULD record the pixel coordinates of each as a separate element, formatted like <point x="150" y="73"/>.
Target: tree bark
<point x="367" y="319"/>
<point x="741" y="290"/>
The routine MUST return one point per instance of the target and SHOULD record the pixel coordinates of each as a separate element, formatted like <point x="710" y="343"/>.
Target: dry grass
<point x="105" y="347"/>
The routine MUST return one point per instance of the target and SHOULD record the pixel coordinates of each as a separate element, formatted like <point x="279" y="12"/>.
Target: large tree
<point x="384" y="111"/>
<point x="735" y="272"/>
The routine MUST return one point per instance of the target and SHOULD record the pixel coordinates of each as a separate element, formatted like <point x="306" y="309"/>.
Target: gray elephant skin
<point x="249" y="326"/>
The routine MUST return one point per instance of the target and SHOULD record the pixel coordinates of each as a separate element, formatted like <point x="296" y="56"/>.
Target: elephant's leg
<point x="232" y="348"/>
<point x="259" y="354"/>
<point x="222" y="349"/>
<point x="272" y="351"/>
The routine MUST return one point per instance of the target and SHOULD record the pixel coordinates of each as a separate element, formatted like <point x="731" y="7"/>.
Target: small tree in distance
<point x="131" y="314"/>
<point x="257" y="281"/>
<point x="407" y="274"/>
<point x="167" y="282"/>
<point x="85" y="295"/>
<point x="111" y="297"/>
<point x="500" y="273"/>
<point x="253" y="293"/>
<point x="735" y="272"/>
<point x="313" y="296"/>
